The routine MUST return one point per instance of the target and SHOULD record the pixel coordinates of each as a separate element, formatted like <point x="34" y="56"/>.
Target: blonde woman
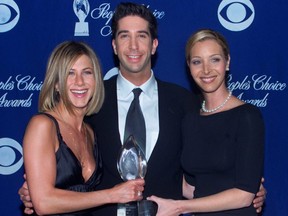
<point x="62" y="162"/>
<point x="223" y="143"/>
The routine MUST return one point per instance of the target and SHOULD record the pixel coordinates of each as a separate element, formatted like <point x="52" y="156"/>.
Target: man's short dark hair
<point x="132" y="9"/>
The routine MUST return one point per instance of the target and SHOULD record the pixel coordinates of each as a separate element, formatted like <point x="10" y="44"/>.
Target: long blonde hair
<point x="59" y="64"/>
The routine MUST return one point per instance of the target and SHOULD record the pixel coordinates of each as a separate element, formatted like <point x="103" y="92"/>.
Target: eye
<point x="123" y="36"/>
<point x="142" y="35"/>
<point x="195" y="62"/>
<point x="236" y="15"/>
<point x="88" y="72"/>
<point x="9" y="16"/>
<point x="71" y="72"/>
<point x="11" y="156"/>
<point x="215" y="60"/>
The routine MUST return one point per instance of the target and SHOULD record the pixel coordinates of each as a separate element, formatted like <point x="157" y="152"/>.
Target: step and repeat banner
<point x="255" y="30"/>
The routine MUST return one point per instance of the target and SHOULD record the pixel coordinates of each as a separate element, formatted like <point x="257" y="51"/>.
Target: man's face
<point x="133" y="45"/>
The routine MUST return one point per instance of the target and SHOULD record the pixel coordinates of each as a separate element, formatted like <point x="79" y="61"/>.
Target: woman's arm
<point x="228" y="199"/>
<point x="258" y="201"/>
<point x="39" y="146"/>
<point x="248" y="167"/>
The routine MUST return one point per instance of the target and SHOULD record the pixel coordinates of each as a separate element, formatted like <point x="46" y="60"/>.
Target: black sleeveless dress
<point x="222" y="151"/>
<point x="69" y="170"/>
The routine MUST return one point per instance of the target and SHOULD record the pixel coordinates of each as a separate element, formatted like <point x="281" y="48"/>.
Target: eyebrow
<point x="122" y="31"/>
<point x="86" y="68"/>
<point x="213" y="55"/>
<point x="140" y="31"/>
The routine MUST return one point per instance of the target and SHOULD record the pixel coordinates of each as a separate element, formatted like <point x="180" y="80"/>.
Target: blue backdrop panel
<point x="29" y="30"/>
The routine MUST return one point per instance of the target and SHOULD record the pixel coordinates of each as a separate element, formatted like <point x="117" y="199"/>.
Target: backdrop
<point x="255" y="30"/>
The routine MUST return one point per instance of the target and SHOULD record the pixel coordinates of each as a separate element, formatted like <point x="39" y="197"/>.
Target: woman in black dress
<point x="61" y="158"/>
<point x="223" y="143"/>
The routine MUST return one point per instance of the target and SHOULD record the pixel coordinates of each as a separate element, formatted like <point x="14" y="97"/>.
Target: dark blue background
<point x="259" y="50"/>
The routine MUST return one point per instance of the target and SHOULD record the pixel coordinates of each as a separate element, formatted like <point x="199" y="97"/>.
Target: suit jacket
<point x="164" y="172"/>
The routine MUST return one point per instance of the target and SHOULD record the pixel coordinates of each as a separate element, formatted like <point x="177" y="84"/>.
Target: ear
<point x="228" y="63"/>
<point x="154" y="46"/>
<point x="57" y="87"/>
<point x="114" y="47"/>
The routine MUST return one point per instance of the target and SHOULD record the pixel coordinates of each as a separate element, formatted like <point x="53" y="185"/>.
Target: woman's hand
<point x="128" y="191"/>
<point x="25" y="198"/>
<point x="166" y="207"/>
<point x="259" y="200"/>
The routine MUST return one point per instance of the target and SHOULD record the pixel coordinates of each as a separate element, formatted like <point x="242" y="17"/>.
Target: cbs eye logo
<point x="9" y="15"/>
<point x="11" y="156"/>
<point x="236" y="15"/>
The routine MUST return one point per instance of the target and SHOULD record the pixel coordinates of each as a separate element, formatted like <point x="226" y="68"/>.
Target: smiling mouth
<point x="133" y="56"/>
<point x="79" y="91"/>
<point x="207" y="79"/>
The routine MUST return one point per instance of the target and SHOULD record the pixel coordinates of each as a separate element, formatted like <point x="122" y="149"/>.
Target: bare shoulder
<point x="40" y="130"/>
<point x="41" y="122"/>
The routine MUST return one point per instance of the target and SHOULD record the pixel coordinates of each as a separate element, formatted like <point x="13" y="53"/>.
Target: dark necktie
<point x="135" y="123"/>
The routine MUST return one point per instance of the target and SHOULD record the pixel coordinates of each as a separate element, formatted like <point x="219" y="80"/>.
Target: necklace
<point x="75" y="140"/>
<point x="82" y="158"/>
<point x="79" y="143"/>
<point x="218" y="107"/>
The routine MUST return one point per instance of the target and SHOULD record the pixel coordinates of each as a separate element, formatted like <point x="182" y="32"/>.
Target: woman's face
<point x="81" y="82"/>
<point x="208" y="65"/>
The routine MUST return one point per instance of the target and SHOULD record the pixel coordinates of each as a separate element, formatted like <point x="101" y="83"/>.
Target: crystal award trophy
<point x="132" y="164"/>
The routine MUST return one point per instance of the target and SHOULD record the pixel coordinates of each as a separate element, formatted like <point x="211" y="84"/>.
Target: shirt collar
<point x="126" y="86"/>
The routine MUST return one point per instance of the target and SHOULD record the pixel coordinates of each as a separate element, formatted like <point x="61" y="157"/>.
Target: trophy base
<point x="81" y="29"/>
<point x="127" y="209"/>
<point x="140" y="208"/>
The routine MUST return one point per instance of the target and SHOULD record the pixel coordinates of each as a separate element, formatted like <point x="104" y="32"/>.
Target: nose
<point x="133" y="43"/>
<point x="79" y="79"/>
<point x="206" y="68"/>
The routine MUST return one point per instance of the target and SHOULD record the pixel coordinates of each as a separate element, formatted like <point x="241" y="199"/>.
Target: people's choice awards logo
<point x="99" y="12"/>
<point x="256" y="82"/>
<point x="236" y="15"/>
<point x="81" y="10"/>
<point x="9" y="15"/>
<point x="11" y="156"/>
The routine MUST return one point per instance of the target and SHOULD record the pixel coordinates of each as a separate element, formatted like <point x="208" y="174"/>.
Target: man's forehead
<point x="133" y="22"/>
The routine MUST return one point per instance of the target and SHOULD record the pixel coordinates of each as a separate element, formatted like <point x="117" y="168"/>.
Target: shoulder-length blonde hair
<point x="59" y="64"/>
<point x="206" y="34"/>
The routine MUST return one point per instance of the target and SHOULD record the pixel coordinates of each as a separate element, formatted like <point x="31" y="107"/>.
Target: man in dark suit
<point x="164" y="173"/>
<point x="134" y="33"/>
